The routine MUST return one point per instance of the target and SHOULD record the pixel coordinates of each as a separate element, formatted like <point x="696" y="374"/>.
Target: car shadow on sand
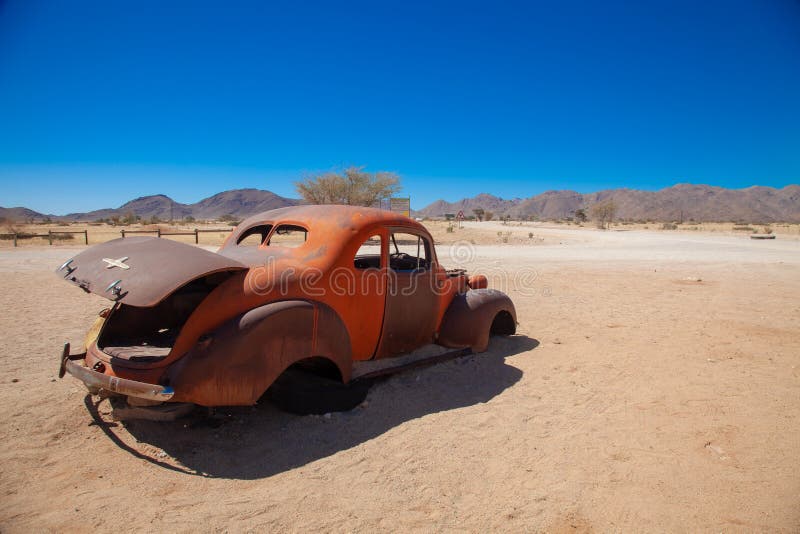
<point x="261" y="441"/>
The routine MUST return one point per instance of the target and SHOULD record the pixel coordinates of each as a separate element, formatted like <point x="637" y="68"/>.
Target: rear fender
<point x="468" y="320"/>
<point x="237" y="362"/>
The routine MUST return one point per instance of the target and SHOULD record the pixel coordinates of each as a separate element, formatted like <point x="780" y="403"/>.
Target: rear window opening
<point x="284" y="235"/>
<point x="288" y="235"/>
<point x="144" y="335"/>
<point x="253" y="237"/>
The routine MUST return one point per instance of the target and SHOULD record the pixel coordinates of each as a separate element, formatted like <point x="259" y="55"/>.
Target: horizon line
<point x="677" y="184"/>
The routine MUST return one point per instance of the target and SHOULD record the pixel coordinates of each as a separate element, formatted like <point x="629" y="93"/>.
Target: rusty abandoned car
<point x="325" y="290"/>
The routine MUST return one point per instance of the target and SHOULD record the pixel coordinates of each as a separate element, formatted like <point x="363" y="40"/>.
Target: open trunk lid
<point x="142" y="271"/>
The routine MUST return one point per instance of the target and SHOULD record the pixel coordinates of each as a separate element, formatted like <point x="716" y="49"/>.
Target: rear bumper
<point x="95" y="381"/>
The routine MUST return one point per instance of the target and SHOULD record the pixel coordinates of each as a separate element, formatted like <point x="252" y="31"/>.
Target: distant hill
<point x="19" y="214"/>
<point x="699" y="202"/>
<point x="238" y="203"/>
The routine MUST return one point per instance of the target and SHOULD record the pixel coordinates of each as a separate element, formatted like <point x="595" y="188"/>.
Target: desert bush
<point x="9" y="236"/>
<point x="130" y="218"/>
<point x="450" y="228"/>
<point x="62" y="237"/>
<point x="353" y="186"/>
<point x="743" y="229"/>
<point x="669" y="226"/>
<point x="530" y="235"/>
<point x="27" y="235"/>
<point x="11" y="228"/>
<point x="603" y="213"/>
<point x="767" y="230"/>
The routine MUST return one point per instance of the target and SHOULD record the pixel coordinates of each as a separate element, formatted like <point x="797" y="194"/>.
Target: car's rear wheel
<point x="302" y="392"/>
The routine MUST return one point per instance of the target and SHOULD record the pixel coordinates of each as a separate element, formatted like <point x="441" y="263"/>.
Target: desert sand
<point x="654" y="385"/>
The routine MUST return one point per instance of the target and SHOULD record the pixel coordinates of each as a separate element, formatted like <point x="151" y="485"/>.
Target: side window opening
<point x="254" y="236"/>
<point x="408" y="252"/>
<point x="368" y="255"/>
<point x="288" y="235"/>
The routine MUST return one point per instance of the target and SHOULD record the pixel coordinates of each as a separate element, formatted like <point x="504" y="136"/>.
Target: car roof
<point x="348" y="220"/>
<point x="331" y="228"/>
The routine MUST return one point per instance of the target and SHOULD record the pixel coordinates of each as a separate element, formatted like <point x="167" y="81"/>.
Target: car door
<point x="358" y="292"/>
<point x="410" y="314"/>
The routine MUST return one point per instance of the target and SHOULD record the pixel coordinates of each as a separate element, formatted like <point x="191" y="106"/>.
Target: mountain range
<point x="237" y="203"/>
<point x="680" y="202"/>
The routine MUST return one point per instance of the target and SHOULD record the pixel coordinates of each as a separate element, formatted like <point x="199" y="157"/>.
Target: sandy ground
<point x="654" y="385"/>
<point x="492" y="232"/>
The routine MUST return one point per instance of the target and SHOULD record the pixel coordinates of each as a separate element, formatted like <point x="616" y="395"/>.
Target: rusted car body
<point x="327" y="285"/>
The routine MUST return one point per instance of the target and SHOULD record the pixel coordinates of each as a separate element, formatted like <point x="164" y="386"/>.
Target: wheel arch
<point x="474" y="316"/>
<point x="237" y="362"/>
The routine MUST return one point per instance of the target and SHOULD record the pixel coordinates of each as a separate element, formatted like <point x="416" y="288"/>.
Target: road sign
<point x="400" y="205"/>
<point x="460" y="215"/>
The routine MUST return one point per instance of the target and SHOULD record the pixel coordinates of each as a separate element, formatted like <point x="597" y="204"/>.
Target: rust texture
<point x="219" y="328"/>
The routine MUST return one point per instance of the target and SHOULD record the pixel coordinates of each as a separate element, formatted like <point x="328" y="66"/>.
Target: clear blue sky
<point x="104" y="101"/>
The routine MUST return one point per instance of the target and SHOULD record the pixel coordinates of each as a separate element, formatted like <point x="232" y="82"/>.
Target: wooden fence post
<point x="50" y="236"/>
<point x="196" y="239"/>
<point x="86" y="236"/>
<point x="15" y="239"/>
<point x="158" y="231"/>
<point x="123" y="233"/>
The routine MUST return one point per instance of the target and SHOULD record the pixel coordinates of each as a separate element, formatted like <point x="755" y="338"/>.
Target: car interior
<point x="408" y="252"/>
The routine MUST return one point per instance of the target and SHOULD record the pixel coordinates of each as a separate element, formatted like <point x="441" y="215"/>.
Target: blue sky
<point x="104" y="101"/>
